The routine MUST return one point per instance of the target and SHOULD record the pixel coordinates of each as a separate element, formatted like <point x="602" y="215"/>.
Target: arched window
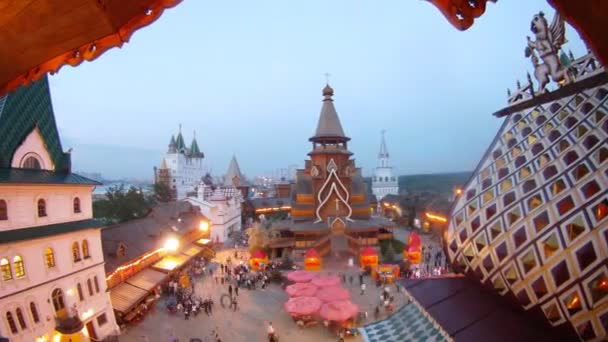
<point x="34" y="312"/>
<point x="31" y="163"/>
<point x="76" y="205"/>
<point x="5" y="268"/>
<point x="11" y="323"/>
<point x="85" y="249"/>
<point x="90" y="286"/>
<point x="58" y="303"/>
<point x="96" y="284"/>
<point x="3" y="210"/>
<point x="19" y="267"/>
<point x="49" y="257"/>
<point x="41" y="208"/>
<point x="21" y="319"/>
<point x="75" y="252"/>
<point x="80" y="294"/>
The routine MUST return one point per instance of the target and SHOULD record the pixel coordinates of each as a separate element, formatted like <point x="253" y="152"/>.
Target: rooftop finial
<point x="328" y="91"/>
<point x="180" y="127"/>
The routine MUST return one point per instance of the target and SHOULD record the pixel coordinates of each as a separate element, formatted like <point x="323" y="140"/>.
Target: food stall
<point x="413" y="252"/>
<point x="368" y="257"/>
<point x="312" y="260"/>
<point x="386" y="272"/>
<point x="258" y="260"/>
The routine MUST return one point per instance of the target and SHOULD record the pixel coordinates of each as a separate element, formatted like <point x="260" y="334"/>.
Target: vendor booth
<point x="368" y="257"/>
<point x="413" y="252"/>
<point x="258" y="260"/>
<point x="312" y="260"/>
<point x="170" y="263"/>
<point x="385" y="272"/>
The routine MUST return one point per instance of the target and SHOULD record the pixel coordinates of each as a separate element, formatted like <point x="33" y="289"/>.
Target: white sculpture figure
<point x="549" y="40"/>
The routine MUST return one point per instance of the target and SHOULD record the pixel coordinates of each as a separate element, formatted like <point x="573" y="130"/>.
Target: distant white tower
<point x="383" y="181"/>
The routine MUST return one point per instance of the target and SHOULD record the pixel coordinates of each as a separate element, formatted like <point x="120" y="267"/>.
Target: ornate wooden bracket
<point x="461" y="13"/>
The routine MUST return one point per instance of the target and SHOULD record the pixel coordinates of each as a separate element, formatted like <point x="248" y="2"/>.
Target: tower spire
<point x="383" y="153"/>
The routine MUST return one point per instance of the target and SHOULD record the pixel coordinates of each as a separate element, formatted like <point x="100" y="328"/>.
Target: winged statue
<point x="549" y="40"/>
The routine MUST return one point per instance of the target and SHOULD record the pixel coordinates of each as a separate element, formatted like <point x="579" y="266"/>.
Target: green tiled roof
<point x="27" y="176"/>
<point x="48" y="230"/>
<point x="181" y="145"/>
<point x="21" y="111"/>
<point x="194" y="150"/>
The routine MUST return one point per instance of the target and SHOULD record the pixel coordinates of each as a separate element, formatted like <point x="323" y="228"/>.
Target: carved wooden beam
<point x="461" y="13"/>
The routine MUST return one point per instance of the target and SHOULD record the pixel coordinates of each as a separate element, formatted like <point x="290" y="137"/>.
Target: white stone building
<point x="384" y="182"/>
<point x="52" y="279"/>
<point x="222" y="206"/>
<point x="182" y="168"/>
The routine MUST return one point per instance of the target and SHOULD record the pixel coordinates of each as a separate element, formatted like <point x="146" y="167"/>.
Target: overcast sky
<point x="247" y="76"/>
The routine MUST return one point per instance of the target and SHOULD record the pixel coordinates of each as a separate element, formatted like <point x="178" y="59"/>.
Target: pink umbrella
<point x="301" y="290"/>
<point x="300" y="276"/>
<point x="339" y="311"/>
<point x="323" y="281"/>
<point x="332" y="294"/>
<point x="302" y="306"/>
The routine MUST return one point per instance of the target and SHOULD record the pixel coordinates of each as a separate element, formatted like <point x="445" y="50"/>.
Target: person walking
<point x="362" y="289"/>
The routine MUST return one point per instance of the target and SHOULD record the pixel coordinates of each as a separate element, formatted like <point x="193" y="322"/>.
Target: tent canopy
<point x="312" y="253"/>
<point x="259" y="254"/>
<point x="368" y="251"/>
<point x="40" y="36"/>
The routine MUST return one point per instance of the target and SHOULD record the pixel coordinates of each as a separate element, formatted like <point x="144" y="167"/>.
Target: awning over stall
<point x="191" y="250"/>
<point x="170" y="262"/>
<point x="125" y="296"/>
<point x="202" y="242"/>
<point x="147" y="279"/>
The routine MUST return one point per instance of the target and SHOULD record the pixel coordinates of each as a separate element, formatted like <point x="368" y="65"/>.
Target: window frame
<point x="3" y="210"/>
<point x="41" y="208"/>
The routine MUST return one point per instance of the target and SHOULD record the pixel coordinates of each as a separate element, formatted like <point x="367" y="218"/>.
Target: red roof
<point x="368" y="251"/>
<point x="259" y="254"/>
<point x="312" y="253"/>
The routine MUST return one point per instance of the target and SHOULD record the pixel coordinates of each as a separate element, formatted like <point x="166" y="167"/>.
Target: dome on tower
<point x="328" y="91"/>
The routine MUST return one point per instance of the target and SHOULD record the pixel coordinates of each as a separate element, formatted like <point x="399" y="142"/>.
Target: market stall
<point x="170" y="262"/>
<point x="301" y="290"/>
<point x="385" y="273"/>
<point x="332" y="294"/>
<point x="368" y="257"/>
<point x="258" y="260"/>
<point x="147" y="279"/>
<point x="300" y="276"/>
<point x="413" y="252"/>
<point x="312" y="260"/>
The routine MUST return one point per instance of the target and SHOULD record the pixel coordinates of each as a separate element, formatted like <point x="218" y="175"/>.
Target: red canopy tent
<point x="257" y="259"/>
<point x="332" y="294"/>
<point x="312" y="260"/>
<point x="368" y="257"/>
<point x="413" y="252"/>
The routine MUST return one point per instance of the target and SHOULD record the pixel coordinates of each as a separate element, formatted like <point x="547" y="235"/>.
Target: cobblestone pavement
<point x="256" y="308"/>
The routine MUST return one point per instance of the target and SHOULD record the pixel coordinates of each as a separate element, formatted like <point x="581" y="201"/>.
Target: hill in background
<point x="440" y="182"/>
